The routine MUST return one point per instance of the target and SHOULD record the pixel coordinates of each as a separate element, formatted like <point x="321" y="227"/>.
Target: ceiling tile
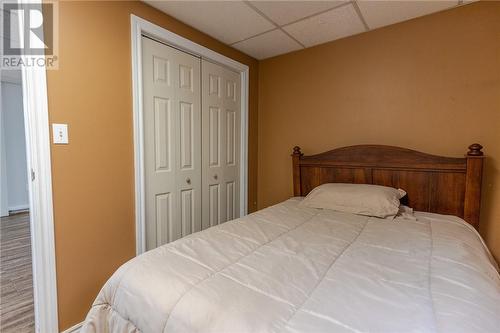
<point x="382" y="13"/>
<point x="227" y="21"/>
<point x="334" y="24"/>
<point x="268" y="45"/>
<point x="284" y="12"/>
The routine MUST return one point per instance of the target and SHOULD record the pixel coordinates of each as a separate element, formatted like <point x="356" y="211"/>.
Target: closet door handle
<point x="188" y="180"/>
<point x="216" y="177"/>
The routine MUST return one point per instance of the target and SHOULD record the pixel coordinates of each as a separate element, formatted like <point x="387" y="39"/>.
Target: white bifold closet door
<point x="221" y="118"/>
<point x="172" y="142"/>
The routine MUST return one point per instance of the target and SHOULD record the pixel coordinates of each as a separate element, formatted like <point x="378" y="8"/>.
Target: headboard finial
<point x="296" y="151"/>
<point x="475" y="150"/>
<point x="296" y="156"/>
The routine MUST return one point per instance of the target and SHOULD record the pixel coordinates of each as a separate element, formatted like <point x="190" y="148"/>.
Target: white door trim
<point x="37" y="133"/>
<point x="140" y="26"/>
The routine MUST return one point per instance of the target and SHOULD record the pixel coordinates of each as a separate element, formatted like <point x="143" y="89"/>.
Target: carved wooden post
<point x="296" y="171"/>
<point x="473" y="180"/>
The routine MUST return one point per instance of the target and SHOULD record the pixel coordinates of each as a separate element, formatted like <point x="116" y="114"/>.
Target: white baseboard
<point x="19" y="208"/>
<point x="74" y="328"/>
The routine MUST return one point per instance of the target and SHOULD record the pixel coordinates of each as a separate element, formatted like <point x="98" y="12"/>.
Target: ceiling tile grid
<point x="264" y="29"/>
<point x="268" y="45"/>
<point x="334" y="24"/>
<point x="285" y="12"/>
<point x="381" y="13"/>
<point x="227" y="21"/>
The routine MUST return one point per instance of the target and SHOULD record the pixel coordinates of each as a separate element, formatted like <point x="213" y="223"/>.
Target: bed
<point x="290" y="268"/>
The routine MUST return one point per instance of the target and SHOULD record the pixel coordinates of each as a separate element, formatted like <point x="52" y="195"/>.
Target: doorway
<point x="28" y="232"/>
<point x="17" y="313"/>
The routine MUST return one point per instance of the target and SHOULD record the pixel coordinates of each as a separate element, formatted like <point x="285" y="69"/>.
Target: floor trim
<point x="74" y="328"/>
<point x="18" y="209"/>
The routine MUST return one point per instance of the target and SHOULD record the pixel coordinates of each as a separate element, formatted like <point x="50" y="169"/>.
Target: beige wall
<point x="432" y="84"/>
<point x="93" y="177"/>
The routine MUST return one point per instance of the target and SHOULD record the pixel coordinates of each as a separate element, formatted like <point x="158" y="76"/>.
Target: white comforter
<point x="293" y="269"/>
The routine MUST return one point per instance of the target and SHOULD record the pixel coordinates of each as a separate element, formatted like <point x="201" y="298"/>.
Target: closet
<point x="191" y="122"/>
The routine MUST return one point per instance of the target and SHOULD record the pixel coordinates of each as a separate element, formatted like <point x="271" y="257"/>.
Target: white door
<point x="172" y="142"/>
<point x="221" y="117"/>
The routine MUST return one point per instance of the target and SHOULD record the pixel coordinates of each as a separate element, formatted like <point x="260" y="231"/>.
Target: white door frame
<point x="36" y="120"/>
<point x="139" y="27"/>
<point x="40" y="195"/>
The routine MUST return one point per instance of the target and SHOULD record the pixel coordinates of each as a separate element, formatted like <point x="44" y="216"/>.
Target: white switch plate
<point x="60" y="134"/>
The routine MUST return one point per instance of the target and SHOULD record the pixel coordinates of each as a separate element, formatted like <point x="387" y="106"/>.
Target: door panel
<point x="186" y="77"/>
<point x="230" y="137"/>
<point x="172" y="142"/>
<point x="220" y="144"/>
<point x="214" y="206"/>
<point x="231" y="90"/>
<point x="214" y="85"/>
<point x="161" y="70"/>
<point x="230" y="201"/>
<point x="214" y="133"/>
<point x="163" y="217"/>
<point x="162" y="134"/>
<point x="187" y="139"/>
<point x="187" y="212"/>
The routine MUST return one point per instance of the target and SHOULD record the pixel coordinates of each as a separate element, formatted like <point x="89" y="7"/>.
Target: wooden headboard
<point x="437" y="184"/>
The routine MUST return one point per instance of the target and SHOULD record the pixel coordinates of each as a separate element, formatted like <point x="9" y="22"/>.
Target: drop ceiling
<point x="264" y="29"/>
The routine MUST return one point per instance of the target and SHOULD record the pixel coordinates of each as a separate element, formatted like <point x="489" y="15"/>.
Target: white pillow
<point x="362" y="199"/>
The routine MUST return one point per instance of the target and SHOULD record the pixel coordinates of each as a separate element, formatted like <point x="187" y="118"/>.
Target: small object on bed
<point x="361" y="199"/>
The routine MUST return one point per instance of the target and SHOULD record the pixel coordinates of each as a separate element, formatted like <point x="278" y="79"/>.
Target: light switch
<point x="60" y="134"/>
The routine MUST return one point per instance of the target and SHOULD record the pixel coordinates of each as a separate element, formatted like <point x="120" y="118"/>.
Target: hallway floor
<point x="16" y="277"/>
